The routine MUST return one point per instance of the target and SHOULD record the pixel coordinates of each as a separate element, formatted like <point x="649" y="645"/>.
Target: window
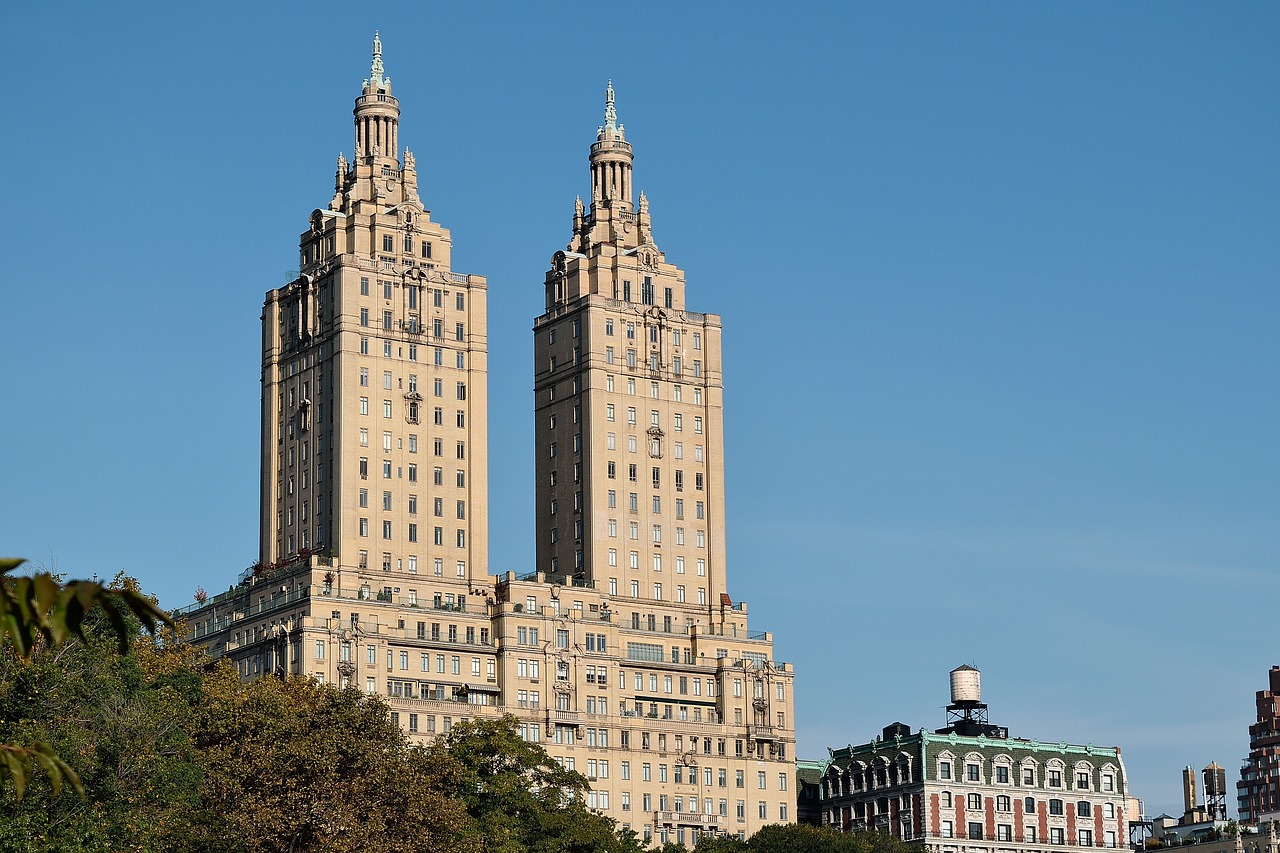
<point x="1004" y="832"/>
<point x="1055" y="778"/>
<point x="1057" y="835"/>
<point x="972" y="772"/>
<point x="973" y="802"/>
<point x="1055" y="807"/>
<point x="944" y="769"/>
<point x="1084" y="809"/>
<point x="975" y="831"/>
<point x="1004" y="803"/>
<point x="1029" y="805"/>
<point x="1002" y="775"/>
<point x="947" y="829"/>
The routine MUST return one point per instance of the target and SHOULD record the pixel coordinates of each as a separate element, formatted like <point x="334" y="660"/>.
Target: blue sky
<point x="998" y="284"/>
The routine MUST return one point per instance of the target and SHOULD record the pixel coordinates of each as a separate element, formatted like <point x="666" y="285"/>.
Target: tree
<point x="519" y="798"/>
<point x="121" y="721"/>
<point x="37" y="608"/>
<point x="293" y="765"/>
<point x="802" y="838"/>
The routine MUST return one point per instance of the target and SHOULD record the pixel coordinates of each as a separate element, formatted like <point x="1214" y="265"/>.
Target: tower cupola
<point x="611" y="159"/>
<point x="377" y="113"/>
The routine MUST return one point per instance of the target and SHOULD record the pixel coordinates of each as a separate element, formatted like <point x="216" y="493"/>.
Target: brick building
<point x="970" y="787"/>
<point x="1256" y="792"/>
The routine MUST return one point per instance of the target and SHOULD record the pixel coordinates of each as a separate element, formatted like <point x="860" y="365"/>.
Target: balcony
<point x="703" y="821"/>
<point x="447" y="607"/>
<point x="563" y="718"/>
<point x="761" y="733"/>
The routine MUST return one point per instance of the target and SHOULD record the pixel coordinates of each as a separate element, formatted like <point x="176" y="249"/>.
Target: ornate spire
<point x="375" y="70"/>
<point x="610" y="113"/>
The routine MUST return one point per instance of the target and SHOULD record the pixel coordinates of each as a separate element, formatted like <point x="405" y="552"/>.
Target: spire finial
<point x="375" y="70"/>
<point x="610" y="114"/>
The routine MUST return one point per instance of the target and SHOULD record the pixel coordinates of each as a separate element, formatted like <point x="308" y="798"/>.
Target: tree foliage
<point x="124" y="731"/>
<point x="38" y="608"/>
<point x="518" y="797"/>
<point x="802" y="838"/>
<point x="293" y="765"/>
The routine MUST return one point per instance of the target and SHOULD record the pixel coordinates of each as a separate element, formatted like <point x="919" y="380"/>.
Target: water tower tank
<point x="966" y="685"/>
<point x="1215" y="780"/>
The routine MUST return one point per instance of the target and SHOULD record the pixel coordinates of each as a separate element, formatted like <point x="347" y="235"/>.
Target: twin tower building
<point x="623" y="652"/>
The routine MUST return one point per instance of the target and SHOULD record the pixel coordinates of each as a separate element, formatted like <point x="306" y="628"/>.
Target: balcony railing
<point x="564" y="718"/>
<point x="688" y="819"/>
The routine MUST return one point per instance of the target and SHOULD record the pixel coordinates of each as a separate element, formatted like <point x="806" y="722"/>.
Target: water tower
<point x="1215" y="791"/>
<point x="967" y="713"/>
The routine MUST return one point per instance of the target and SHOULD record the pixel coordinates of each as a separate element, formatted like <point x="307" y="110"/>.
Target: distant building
<point x="970" y="787"/>
<point x="1198" y="823"/>
<point x="808" y="781"/>
<point x="1265" y="839"/>
<point x="1256" y="793"/>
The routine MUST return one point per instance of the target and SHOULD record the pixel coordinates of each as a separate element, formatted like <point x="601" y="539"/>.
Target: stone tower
<point x="374" y="379"/>
<point x="628" y="401"/>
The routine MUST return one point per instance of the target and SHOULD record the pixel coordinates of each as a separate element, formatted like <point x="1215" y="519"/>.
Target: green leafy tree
<point x="122" y="726"/>
<point x="802" y="838"/>
<point x="38" y="608"/>
<point x="519" y="798"/>
<point x="292" y="765"/>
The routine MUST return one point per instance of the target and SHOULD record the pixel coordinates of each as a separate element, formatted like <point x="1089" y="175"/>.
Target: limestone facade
<point x="622" y="653"/>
